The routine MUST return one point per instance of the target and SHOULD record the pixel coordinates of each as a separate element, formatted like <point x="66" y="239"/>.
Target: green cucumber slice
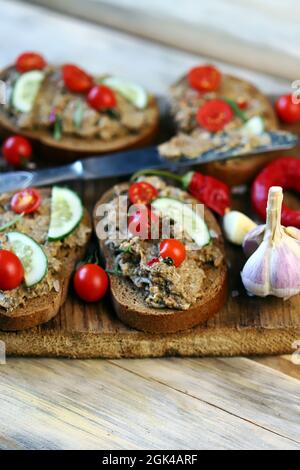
<point x="134" y="93"/>
<point x="181" y="212"/>
<point x="31" y="255"/>
<point x="66" y="213"/>
<point x="26" y="89"/>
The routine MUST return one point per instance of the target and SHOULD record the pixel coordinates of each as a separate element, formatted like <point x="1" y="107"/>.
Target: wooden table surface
<point x="137" y="404"/>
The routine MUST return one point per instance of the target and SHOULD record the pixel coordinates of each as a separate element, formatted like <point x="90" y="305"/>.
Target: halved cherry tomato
<point x="11" y="270"/>
<point x="204" y="78"/>
<point x="144" y="221"/>
<point x="214" y="115"/>
<point x="242" y="103"/>
<point x="101" y="97"/>
<point x="26" y="201"/>
<point x="17" y="150"/>
<point x="288" y="111"/>
<point x="173" y="249"/>
<point x="90" y="282"/>
<point x="30" y="61"/>
<point x="142" y="193"/>
<point x="76" y="79"/>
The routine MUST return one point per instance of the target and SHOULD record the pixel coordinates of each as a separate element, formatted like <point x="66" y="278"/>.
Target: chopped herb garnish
<point x="113" y="113"/>
<point x="57" y="129"/>
<point x="78" y="114"/>
<point x="235" y="108"/>
<point x="11" y="222"/>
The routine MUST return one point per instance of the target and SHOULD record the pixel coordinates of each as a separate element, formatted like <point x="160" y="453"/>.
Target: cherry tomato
<point x="242" y="103"/>
<point x="214" y="115"/>
<point x="288" y="111"/>
<point x="26" y="201"/>
<point x="142" y="193"/>
<point x="204" y="78"/>
<point x="30" y="61"/>
<point x="17" y="150"/>
<point x="101" y="97"/>
<point x="173" y="249"/>
<point x="11" y="270"/>
<point x="142" y="222"/>
<point x="76" y="79"/>
<point x="90" y="282"/>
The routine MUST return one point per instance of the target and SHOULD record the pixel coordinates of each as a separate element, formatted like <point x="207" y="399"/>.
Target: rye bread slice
<point x="129" y="303"/>
<point x="242" y="170"/>
<point x="70" y="148"/>
<point x="42" y="309"/>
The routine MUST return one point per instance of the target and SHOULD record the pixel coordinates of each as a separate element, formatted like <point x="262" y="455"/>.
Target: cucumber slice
<point x="181" y="212"/>
<point x="255" y="126"/>
<point x="66" y="213"/>
<point x="26" y="89"/>
<point x="131" y="91"/>
<point x="31" y="255"/>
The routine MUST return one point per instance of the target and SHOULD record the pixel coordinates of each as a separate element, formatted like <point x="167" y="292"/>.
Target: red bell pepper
<point x="284" y="172"/>
<point x="208" y="190"/>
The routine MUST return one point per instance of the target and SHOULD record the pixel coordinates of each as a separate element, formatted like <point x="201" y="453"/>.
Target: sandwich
<point x="68" y="113"/>
<point x="42" y="236"/>
<point x="210" y="108"/>
<point x="158" y="284"/>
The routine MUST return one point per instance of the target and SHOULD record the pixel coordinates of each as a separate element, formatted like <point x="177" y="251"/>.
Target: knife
<point x="127" y="162"/>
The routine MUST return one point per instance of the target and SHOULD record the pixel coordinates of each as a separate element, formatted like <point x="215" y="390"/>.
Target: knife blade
<point x="127" y="162"/>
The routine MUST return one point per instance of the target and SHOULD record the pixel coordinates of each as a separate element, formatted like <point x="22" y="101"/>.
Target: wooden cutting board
<point x="246" y="325"/>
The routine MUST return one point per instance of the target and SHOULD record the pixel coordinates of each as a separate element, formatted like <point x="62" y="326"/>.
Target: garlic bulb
<point x="236" y="225"/>
<point x="253" y="239"/>
<point x="274" y="267"/>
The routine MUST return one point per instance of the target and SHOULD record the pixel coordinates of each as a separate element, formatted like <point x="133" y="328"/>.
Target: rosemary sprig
<point x="237" y="111"/>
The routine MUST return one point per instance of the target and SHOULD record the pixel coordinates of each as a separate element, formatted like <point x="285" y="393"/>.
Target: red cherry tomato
<point x="142" y="193"/>
<point x="76" y="79"/>
<point x="101" y="97"/>
<point x="144" y="221"/>
<point x="204" y="78"/>
<point x="30" y="61"/>
<point x="90" y="282"/>
<point x="214" y="115"/>
<point x="173" y="249"/>
<point x="242" y="103"/>
<point x="288" y="111"/>
<point x="17" y="150"/>
<point x="11" y="270"/>
<point x="26" y="201"/>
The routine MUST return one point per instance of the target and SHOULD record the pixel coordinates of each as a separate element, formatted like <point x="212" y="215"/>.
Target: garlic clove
<point x="236" y="225"/>
<point x="253" y="239"/>
<point x="274" y="267"/>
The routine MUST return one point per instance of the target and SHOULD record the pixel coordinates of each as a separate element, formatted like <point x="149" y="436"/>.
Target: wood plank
<point x="101" y="50"/>
<point x="258" y="35"/>
<point x="282" y="364"/>
<point x="241" y="387"/>
<point x="113" y="409"/>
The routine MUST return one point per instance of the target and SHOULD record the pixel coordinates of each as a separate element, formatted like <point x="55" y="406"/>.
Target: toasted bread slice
<point x="131" y="308"/>
<point x="70" y="148"/>
<point x="42" y="309"/>
<point x="242" y="170"/>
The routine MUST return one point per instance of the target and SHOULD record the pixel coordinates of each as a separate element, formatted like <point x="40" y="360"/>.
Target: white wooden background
<point x="137" y="404"/>
<point x="261" y="34"/>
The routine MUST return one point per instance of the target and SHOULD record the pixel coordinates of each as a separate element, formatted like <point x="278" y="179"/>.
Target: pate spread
<point x="164" y="285"/>
<point x="36" y="225"/>
<point x="193" y="140"/>
<point x="54" y="97"/>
